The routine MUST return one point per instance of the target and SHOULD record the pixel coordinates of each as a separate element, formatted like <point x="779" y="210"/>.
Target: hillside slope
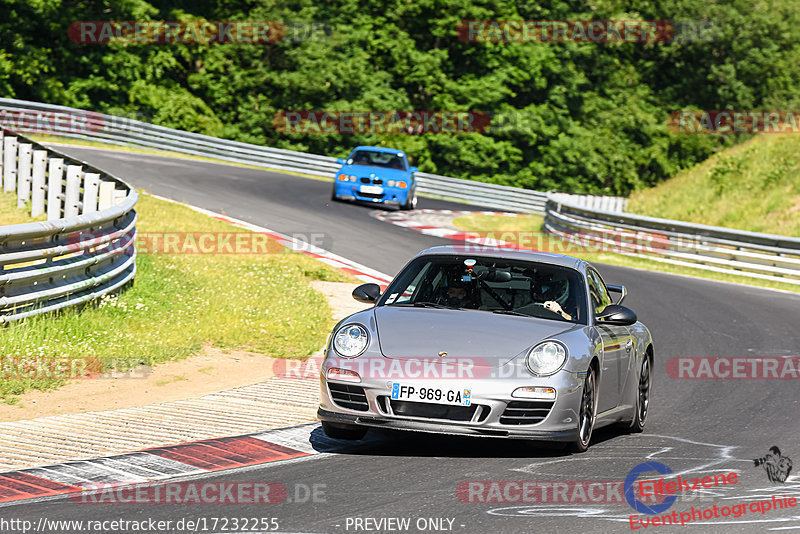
<point x="753" y="186"/>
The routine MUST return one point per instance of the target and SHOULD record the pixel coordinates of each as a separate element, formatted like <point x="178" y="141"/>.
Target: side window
<point x="409" y="291"/>
<point x="597" y="291"/>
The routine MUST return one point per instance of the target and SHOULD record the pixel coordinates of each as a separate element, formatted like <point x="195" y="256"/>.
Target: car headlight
<point x="546" y="358"/>
<point x="351" y="340"/>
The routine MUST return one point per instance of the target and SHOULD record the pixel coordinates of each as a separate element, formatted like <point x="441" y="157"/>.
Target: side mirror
<point x="413" y="169"/>
<point x="340" y="161"/>
<point x="617" y="315"/>
<point x="367" y="293"/>
<point x="618" y="289"/>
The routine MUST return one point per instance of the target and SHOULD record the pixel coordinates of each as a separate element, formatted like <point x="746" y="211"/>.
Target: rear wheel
<point x="642" y="396"/>
<point x="587" y="413"/>
<point x="349" y="432"/>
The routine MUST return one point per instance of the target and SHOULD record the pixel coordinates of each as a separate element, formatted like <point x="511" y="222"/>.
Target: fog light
<point x="345" y="375"/>
<point x="531" y="392"/>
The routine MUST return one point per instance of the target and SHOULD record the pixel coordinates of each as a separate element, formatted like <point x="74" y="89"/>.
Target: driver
<point x="555" y="292"/>
<point x="458" y="295"/>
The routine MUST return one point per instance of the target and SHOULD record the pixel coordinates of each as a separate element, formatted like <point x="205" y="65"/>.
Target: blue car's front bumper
<point x="371" y="193"/>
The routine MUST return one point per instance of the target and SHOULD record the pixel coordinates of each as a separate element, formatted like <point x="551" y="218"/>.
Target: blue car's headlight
<point x="546" y="358"/>
<point x="351" y="340"/>
<point x="397" y="183"/>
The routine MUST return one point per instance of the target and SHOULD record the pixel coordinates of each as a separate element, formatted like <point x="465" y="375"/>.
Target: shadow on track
<point x="386" y="442"/>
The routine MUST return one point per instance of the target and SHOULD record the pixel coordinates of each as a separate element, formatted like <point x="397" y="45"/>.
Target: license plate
<point x="372" y="189"/>
<point x="435" y="394"/>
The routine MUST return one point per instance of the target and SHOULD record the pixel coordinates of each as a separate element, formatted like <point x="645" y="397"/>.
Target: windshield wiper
<point x="424" y="304"/>
<point x="511" y="312"/>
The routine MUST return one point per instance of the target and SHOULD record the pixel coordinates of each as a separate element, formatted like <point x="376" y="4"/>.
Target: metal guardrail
<point x="598" y="220"/>
<point x="24" y="116"/>
<point x="83" y="250"/>
<point x="711" y="248"/>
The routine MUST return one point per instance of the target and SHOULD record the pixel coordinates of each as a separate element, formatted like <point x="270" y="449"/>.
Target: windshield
<point x="490" y="284"/>
<point x="389" y="160"/>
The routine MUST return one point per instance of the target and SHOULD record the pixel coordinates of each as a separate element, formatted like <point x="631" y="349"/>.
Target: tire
<point x="587" y="413"/>
<point x="334" y="198"/>
<point x="343" y="431"/>
<point x="642" y="396"/>
<point x="411" y="201"/>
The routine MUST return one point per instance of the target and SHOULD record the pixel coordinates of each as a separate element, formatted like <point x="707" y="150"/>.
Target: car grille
<point x="377" y="181"/>
<point x="350" y="397"/>
<point x="365" y="180"/>
<point x="370" y="195"/>
<point x="526" y="412"/>
<point x="437" y="411"/>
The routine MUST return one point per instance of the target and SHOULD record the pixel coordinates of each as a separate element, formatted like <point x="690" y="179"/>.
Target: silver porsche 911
<point x="489" y="342"/>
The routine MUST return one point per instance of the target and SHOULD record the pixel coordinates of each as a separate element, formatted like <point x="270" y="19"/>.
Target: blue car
<point x="376" y="174"/>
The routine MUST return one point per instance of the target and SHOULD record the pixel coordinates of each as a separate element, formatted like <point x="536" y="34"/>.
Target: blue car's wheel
<point x="333" y="194"/>
<point x="411" y="200"/>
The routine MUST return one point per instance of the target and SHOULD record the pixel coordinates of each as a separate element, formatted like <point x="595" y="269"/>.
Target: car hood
<point x="489" y="339"/>
<point x="383" y="172"/>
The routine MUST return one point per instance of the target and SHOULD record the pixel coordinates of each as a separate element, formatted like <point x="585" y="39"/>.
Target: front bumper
<point x="496" y="412"/>
<point x="390" y="195"/>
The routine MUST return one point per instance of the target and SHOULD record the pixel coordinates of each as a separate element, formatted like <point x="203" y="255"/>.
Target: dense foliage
<point x="575" y="117"/>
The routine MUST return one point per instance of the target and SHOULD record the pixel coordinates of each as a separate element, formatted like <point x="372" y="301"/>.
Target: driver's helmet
<point x="458" y="293"/>
<point x="555" y="287"/>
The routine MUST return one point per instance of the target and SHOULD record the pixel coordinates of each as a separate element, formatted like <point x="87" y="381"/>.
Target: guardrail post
<point x="2" y="134"/>
<point x="106" y="195"/>
<point x="55" y="176"/>
<point x="91" y="183"/>
<point x="37" y="191"/>
<point x="24" y="174"/>
<point x="73" y="191"/>
<point x="9" y="163"/>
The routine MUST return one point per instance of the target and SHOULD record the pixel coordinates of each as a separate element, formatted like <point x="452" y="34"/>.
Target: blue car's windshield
<point x="388" y="160"/>
<point x="490" y="284"/>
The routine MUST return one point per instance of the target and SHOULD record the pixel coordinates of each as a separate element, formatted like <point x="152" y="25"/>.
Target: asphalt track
<point x="695" y="426"/>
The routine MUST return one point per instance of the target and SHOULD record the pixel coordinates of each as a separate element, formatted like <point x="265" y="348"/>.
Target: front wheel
<point x="411" y="201"/>
<point x="333" y="194"/>
<point x="347" y="432"/>
<point x="587" y="413"/>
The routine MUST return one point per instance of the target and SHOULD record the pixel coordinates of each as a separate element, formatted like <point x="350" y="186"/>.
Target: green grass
<point x="530" y="227"/>
<point x="258" y="302"/>
<point x="753" y="186"/>
<point x="11" y="214"/>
